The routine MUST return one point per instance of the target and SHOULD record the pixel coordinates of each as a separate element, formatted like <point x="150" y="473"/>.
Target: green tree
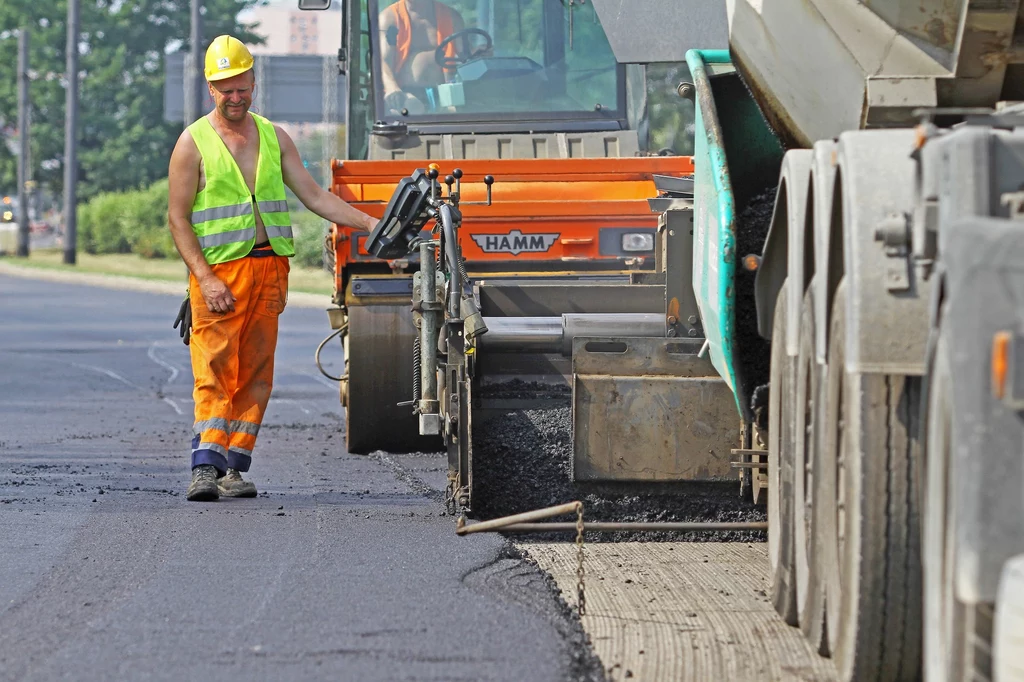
<point x="671" y="117"/>
<point x="123" y="141"/>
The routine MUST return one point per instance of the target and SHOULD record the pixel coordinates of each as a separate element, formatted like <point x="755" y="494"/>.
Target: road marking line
<point x="333" y="385"/>
<point x="174" y="405"/>
<point x="166" y="365"/>
<point x="292" y="402"/>
<point x="112" y="375"/>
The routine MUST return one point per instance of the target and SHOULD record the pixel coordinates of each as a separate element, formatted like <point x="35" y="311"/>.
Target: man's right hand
<point x="218" y="297"/>
<point x="394" y="100"/>
<point x="398" y="100"/>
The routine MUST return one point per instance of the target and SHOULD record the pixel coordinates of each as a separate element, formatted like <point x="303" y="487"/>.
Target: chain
<point x="449" y="495"/>
<point x="581" y="598"/>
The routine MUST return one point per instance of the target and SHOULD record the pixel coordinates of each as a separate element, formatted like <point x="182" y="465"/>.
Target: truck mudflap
<point x="736" y="163"/>
<point x="984" y="275"/>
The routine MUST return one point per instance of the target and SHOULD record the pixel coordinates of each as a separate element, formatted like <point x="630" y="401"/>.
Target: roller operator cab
<point x="477" y="67"/>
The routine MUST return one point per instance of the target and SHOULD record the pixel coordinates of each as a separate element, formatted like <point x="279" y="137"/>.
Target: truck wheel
<point x="379" y="362"/>
<point x="868" y="499"/>
<point x="780" y="467"/>
<point x="958" y="637"/>
<point x="809" y="585"/>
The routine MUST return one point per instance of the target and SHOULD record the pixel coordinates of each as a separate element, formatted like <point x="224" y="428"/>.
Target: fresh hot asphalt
<point x="344" y="567"/>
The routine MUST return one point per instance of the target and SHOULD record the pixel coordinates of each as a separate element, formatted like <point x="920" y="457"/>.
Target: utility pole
<point x="23" y="125"/>
<point x="194" y="80"/>
<point x="71" y="139"/>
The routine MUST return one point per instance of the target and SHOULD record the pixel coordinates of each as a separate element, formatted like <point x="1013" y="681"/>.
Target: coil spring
<point x="417" y="384"/>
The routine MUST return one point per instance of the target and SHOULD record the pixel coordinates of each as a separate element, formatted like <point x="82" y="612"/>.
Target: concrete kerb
<point x="123" y="282"/>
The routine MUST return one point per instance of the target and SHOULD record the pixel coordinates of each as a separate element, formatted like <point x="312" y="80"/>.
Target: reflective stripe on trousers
<point x="233" y="360"/>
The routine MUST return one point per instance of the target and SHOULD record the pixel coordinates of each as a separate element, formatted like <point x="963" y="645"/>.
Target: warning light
<point x="434" y="166"/>
<point x="1000" y="363"/>
<point x="8" y="215"/>
<point x="7" y="200"/>
<point x="751" y="262"/>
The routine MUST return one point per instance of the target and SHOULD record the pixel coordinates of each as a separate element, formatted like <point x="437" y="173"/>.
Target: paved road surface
<point x="343" y="568"/>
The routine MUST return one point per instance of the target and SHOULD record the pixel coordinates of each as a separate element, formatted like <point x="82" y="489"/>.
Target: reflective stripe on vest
<point x="222" y="214"/>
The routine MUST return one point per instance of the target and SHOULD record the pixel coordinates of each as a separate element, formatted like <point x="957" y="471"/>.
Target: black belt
<point x="262" y="250"/>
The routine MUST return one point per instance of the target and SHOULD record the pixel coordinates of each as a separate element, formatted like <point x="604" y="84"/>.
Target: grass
<point x="301" y="279"/>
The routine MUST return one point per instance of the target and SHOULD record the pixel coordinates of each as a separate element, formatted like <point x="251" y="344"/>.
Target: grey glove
<point x="184" y="319"/>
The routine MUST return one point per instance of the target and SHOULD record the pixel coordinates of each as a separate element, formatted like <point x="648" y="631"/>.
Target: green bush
<point x="136" y="222"/>
<point x="127" y="222"/>
<point x="106" y="234"/>
<point x="308" y="230"/>
<point x="86" y="239"/>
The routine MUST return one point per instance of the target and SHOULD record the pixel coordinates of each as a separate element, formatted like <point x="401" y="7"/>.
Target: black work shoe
<point x="232" y="484"/>
<point x="204" y="484"/>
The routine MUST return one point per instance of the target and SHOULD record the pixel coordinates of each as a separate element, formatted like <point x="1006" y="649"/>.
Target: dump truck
<point x="887" y="288"/>
<point x="532" y="95"/>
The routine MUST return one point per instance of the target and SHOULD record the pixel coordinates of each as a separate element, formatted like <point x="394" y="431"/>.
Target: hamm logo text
<point x="515" y="242"/>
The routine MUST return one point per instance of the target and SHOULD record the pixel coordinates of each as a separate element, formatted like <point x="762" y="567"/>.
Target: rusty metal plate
<point x="648" y="409"/>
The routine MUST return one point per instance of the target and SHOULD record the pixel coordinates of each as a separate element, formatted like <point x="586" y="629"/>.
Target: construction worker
<point x="412" y="31"/>
<point x="229" y="219"/>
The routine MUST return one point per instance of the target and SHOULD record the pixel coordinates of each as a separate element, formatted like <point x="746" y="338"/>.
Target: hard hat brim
<point x="227" y="73"/>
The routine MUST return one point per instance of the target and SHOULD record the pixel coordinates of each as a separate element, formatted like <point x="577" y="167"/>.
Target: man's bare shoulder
<point x="283" y="138"/>
<point x="185" y="149"/>
<point x="456" y="17"/>
<point x="388" y="17"/>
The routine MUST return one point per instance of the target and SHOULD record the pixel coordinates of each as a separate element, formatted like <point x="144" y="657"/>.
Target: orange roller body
<point x="545" y="215"/>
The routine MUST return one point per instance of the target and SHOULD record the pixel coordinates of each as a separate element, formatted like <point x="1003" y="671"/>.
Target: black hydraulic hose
<point x="340" y="330"/>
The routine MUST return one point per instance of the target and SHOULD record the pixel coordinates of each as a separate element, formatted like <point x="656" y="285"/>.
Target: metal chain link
<point x="581" y="598"/>
<point x="449" y="495"/>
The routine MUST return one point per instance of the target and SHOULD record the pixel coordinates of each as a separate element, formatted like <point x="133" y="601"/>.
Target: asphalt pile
<point x="752" y="225"/>
<point x="522" y="461"/>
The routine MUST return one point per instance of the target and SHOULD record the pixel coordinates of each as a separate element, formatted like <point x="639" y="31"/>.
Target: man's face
<point x="233" y="96"/>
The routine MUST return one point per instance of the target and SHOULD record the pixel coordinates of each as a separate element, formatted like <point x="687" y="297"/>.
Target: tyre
<point x="807" y="426"/>
<point x="867" y="500"/>
<point x="780" y="467"/>
<point x="958" y="639"/>
<point x="379" y="367"/>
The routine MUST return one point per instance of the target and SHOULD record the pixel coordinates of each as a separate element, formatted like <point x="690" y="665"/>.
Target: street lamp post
<point x="193" y="80"/>
<point x="71" y="139"/>
<point x="23" y="233"/>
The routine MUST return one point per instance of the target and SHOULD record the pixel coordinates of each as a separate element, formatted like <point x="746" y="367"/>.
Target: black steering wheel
<point x="448" y="63"/>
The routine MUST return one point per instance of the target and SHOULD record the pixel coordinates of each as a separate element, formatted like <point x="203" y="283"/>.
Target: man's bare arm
<point x="183" y="182"/>
<point x="387" y="53"/>
<point x="315" y="198"/>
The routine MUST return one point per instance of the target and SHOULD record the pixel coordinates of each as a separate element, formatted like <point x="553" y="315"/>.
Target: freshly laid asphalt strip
<point x="343" y="568"/>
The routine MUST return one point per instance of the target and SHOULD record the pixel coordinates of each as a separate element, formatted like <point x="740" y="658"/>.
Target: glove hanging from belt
<point x="184" y="319"/>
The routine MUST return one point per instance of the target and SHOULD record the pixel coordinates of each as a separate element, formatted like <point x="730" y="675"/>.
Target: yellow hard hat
<point x="226" y="57"/>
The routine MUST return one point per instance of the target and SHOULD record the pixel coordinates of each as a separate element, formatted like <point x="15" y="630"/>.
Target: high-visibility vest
<point x="222" y="213"/>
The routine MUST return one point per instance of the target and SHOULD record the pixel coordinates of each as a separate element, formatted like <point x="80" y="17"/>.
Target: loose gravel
<point x="522" y="461"/>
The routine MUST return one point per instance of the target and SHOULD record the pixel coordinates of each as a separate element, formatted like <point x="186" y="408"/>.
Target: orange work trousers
<point x="233" y="358"/>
